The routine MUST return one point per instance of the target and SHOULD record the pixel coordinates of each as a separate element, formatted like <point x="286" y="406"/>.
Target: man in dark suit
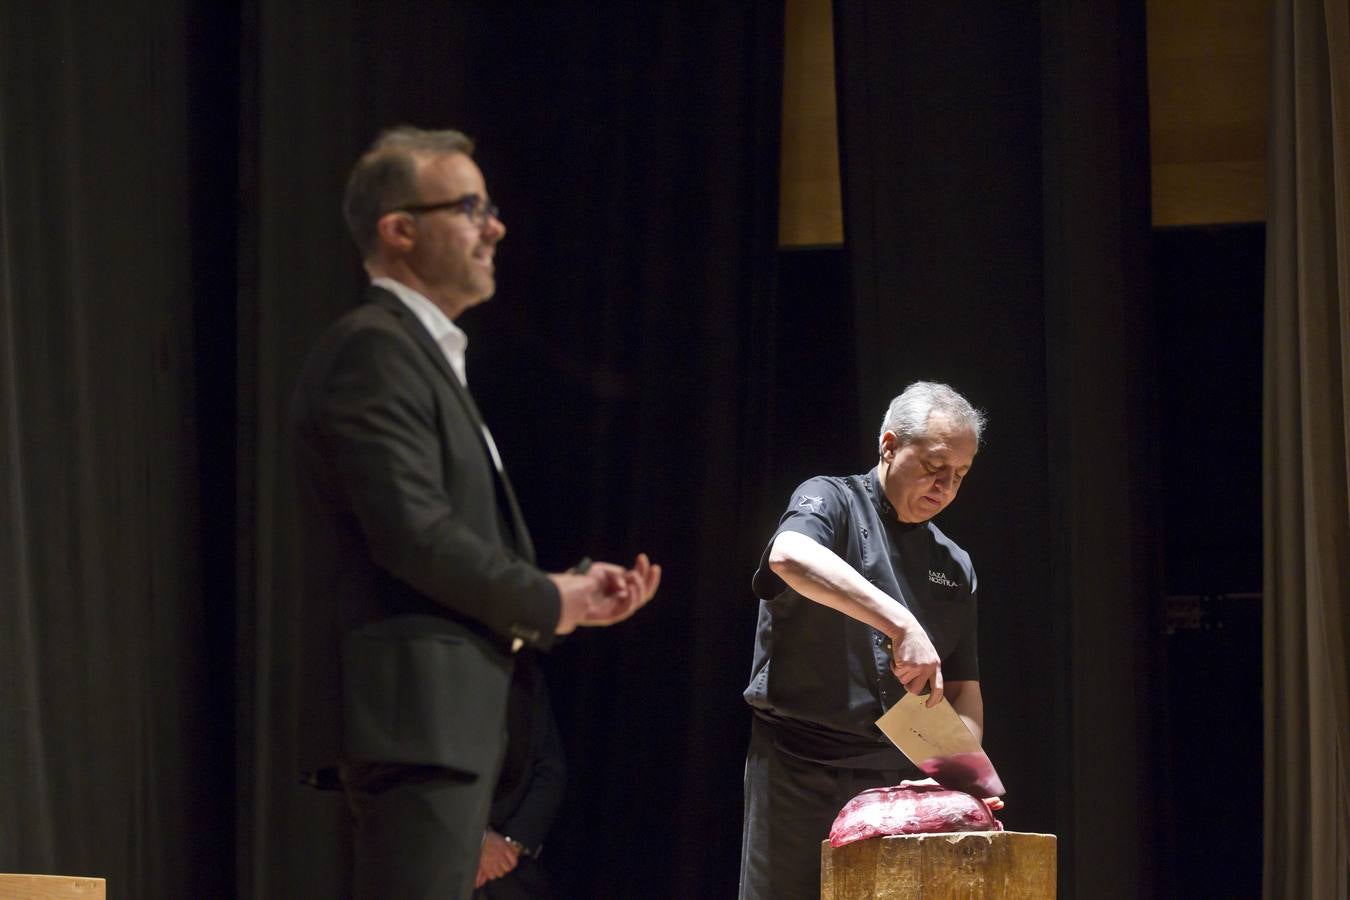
<point x="421" y="583"/>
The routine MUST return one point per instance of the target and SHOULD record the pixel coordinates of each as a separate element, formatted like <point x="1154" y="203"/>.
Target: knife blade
<point x="938" y="742"/>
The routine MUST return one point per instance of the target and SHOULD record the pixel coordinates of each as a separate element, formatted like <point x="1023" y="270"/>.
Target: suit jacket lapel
<point x="380" y="297"/>
<point x="512" y="514"/>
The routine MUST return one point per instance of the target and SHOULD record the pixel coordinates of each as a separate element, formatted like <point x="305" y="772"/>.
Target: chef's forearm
<point x="818" y="573"/>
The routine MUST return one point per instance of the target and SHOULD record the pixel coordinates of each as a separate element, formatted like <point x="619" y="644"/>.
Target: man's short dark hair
<point x="385" y="177"/>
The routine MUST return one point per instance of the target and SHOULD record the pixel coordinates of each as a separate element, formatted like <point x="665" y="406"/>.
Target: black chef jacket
<point x="824" y="678"/>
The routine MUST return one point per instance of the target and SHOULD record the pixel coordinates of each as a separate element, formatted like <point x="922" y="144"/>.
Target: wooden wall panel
<point x="810" y="211"/>
<point x="1209" y="70"/>
<point x="1208" y="74"/>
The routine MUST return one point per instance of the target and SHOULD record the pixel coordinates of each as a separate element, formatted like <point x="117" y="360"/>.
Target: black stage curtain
<point x="116" y="445"/>
<point x="169" y="185"/>
<point x="170" y="244"/>
<point x="995" y="176"/>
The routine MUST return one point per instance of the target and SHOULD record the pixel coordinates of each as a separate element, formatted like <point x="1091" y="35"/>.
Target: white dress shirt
<point x="448" y="336"/>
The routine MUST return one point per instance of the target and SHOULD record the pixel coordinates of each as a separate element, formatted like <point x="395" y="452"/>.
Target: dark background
<point x="658" y="375"/>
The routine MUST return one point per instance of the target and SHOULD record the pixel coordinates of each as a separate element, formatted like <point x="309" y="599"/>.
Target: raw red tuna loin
<point x="910" y="809"/>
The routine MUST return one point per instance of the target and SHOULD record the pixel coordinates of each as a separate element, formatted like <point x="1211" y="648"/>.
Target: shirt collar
<point x="448" y="336"/>
<point x="879" y="498"/>
<point x="883" y="503"/>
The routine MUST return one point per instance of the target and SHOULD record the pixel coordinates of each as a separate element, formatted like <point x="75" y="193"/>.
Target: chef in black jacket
<point x="862" y="598"/>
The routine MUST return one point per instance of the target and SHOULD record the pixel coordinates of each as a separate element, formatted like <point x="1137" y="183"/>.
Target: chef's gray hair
<point x="908" y="413"/>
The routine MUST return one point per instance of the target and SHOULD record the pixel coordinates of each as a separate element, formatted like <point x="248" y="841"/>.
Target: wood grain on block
<point x="972" y="865"/>
<point x="51" y="887"/>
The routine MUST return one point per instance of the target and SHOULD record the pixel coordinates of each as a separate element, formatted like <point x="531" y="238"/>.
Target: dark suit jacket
<point x="419" y="569"/>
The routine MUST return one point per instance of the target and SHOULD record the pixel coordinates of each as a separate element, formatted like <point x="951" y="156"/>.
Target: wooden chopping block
<point x="51" y="887"/>
<point x="968" y="865"/>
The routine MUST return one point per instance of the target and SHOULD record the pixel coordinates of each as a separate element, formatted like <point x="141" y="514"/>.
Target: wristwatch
<point x="521" y="848"/>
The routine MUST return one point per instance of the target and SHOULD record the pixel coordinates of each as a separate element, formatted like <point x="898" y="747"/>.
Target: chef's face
<point x="921" y="477"/>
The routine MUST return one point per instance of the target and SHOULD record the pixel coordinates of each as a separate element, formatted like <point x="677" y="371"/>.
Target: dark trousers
<point x="790" y="804"/>
<point x="417" y="830"/>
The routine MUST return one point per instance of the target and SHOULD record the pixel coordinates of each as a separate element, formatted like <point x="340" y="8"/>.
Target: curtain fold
<point x="115" y="755"/>
<point x="1307" y="463"/>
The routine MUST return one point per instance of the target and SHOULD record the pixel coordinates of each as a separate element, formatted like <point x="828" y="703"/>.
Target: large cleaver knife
<point x="939" y="743"/>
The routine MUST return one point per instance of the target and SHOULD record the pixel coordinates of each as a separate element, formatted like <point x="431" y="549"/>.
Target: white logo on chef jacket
<point x="809" y="503"/>
<point x="941" y="578"/>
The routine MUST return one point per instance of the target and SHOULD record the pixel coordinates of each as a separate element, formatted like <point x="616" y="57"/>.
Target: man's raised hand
<point x="605" y="594"/>
<point x="623" y="591"/>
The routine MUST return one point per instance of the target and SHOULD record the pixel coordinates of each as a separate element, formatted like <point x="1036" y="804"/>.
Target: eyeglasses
<point x="471" y="205"/>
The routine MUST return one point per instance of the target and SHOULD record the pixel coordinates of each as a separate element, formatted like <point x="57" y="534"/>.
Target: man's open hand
<point x="605" y="594"/>
<point x="623" y="591"/>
